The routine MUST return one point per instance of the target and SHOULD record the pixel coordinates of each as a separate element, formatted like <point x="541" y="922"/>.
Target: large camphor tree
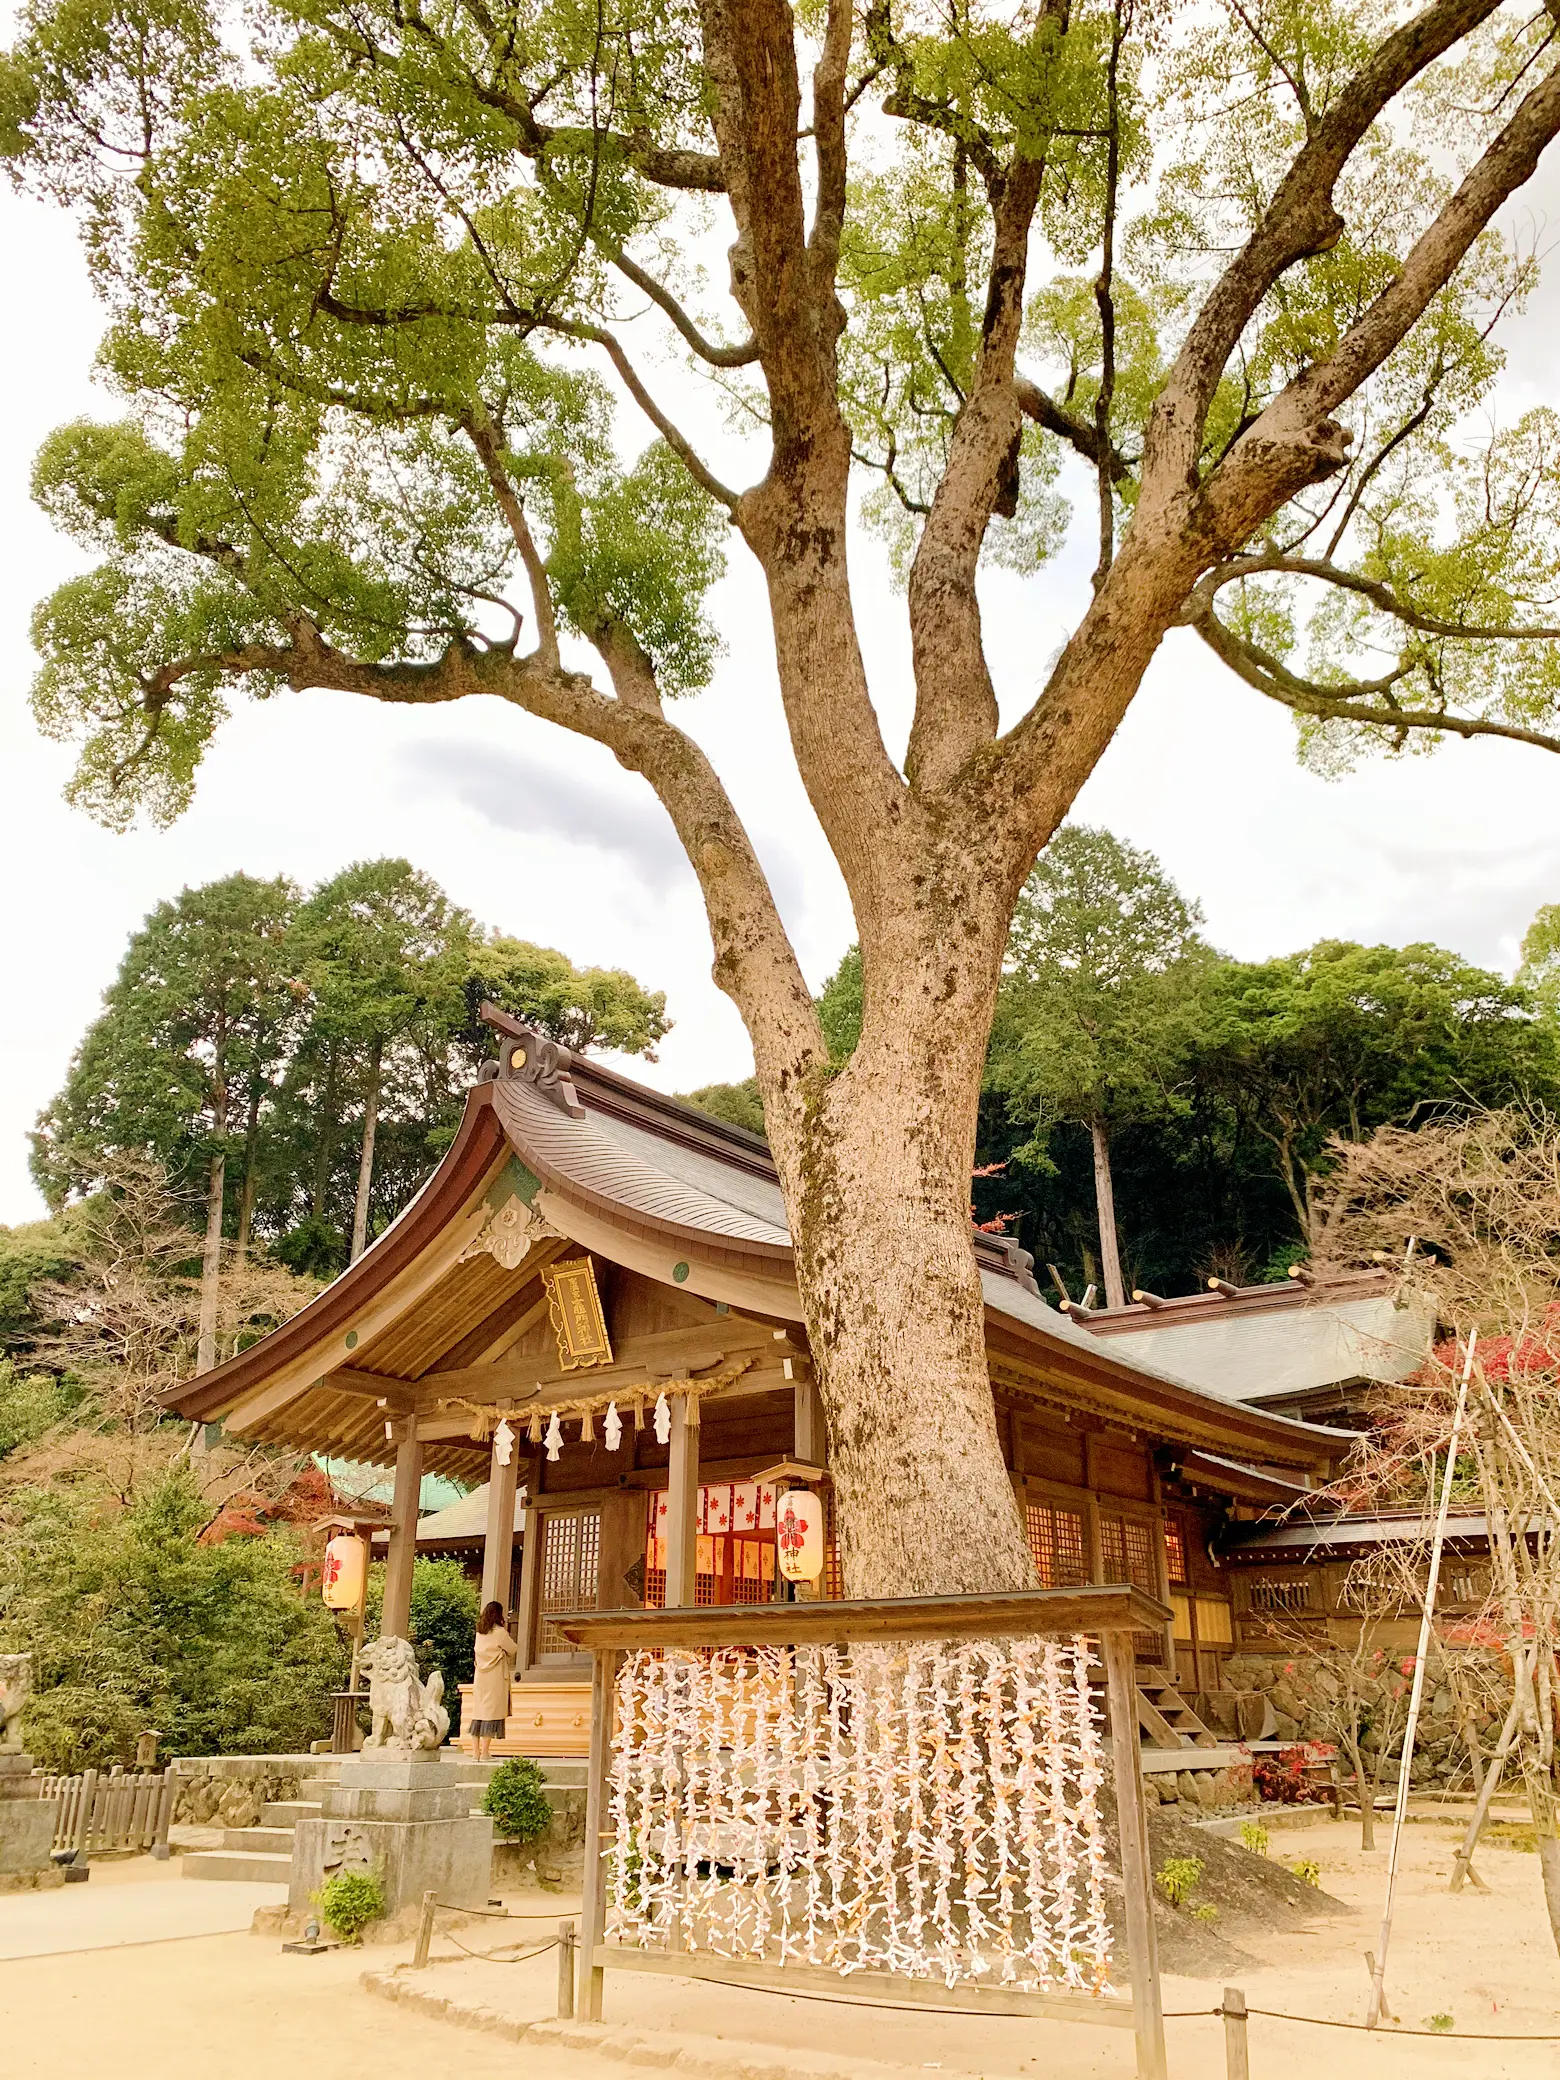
<point x="398" y="287"/>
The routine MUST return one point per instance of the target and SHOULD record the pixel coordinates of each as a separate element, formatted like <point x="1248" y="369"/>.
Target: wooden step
<point x="1165" y="1716"/>
<point x="252" y="1868"/>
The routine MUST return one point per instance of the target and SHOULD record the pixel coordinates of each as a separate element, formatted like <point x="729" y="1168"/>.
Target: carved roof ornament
<point x="528" y="1056"/>
<point x="508" y="1233"/>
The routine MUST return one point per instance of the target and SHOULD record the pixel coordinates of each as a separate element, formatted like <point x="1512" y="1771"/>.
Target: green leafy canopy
<point x="368" y="271"/>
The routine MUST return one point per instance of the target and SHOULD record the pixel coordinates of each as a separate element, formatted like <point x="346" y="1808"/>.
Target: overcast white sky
<point x="553" y="842"/>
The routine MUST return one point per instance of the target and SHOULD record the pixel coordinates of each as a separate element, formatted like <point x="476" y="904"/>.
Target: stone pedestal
<point x="407" y="1819"/>
<point x="27" y="1825"/>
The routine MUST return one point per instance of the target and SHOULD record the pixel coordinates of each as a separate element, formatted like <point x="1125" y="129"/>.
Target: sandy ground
<point x="126" y="1901"/>
<point x="235" y="2005"/>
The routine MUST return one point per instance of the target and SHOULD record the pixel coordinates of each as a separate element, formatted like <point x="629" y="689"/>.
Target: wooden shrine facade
<point x="592" y="1300"/>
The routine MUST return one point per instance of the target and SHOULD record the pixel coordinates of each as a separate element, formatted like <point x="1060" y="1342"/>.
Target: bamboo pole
<point x="1416" y="1694"/>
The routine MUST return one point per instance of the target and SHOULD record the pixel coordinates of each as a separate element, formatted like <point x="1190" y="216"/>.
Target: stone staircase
<point x="260" y="1855"/>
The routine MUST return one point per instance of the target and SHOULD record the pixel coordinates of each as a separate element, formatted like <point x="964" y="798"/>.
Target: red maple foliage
<point x="249" y="1514"/>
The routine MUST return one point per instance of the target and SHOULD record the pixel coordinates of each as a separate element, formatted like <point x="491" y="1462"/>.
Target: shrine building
<point x="591" y="1307"/>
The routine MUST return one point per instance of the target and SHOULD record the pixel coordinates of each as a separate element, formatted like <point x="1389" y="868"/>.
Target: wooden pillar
<point x="593" y="1892"/>
<point x="395" y="1623"/>
<point x="1136" y="1875"/>
<point x="682" y="1509"/>
<point x="498" y="1544"/>
<point x="530" y="1590"/>
<point x="809" y="1432"/>
<point x="622" y="1544"/>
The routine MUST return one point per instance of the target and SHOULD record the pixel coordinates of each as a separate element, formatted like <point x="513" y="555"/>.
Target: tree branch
<point x="483" y="435"/>
<point x="1294" y="441"/>
<point x="1105" y="302"/>
<point x="1379" y="594"/>
<point x="1269" y="676"/>
<point x="956" y="704"/>
<point x="828" y="87"/>
<point x="675" y="439"/>
<point x="889" y="55"/>
<point x="717" y="356"/>
<point x="1300" y="220"/>
<point x="754" y="961"/>
<point x="1079" y="435"/>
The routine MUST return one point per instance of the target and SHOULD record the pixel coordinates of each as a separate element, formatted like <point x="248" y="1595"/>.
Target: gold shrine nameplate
<point x="577" y="1319"/>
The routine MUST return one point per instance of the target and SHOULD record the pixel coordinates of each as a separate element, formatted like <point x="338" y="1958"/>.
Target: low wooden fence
<point x="127" y="1810"/>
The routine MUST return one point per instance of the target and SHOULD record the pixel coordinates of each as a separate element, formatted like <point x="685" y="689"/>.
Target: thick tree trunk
<point x="246" y="1190"/>
<point x="211" y="1268"/>
<point x="366" y="1153"/>
<point x="325" y="1143"/>
<point x="1546" y="1829"/>
<point x="878" y="1190"/>
<point x="1105" y="1206"/>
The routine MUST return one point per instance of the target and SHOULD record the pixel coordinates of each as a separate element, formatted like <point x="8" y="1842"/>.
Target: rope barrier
<point x="493" y="1956"/>
<point x="1445" y="2036"/>
<point x="845" y="2000"/>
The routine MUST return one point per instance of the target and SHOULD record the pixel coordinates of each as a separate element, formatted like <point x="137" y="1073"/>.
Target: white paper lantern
<point x="345" y="1572"/>
<point x="799" y="1535"/>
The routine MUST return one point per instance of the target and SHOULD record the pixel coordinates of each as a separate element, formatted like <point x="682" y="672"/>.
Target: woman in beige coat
<point x="496" y="1653"/>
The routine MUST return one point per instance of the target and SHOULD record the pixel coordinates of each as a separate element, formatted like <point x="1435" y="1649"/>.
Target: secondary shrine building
<point x="591" y="1306"/>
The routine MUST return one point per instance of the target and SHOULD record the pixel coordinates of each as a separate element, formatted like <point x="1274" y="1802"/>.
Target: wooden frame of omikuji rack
<point x="1110" y="1615"/>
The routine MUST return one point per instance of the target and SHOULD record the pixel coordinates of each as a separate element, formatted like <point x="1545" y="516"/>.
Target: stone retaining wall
<point x="231" y="1790"/>
<point x="1198" y="1792"/>
<point x="1300" y="1692"/>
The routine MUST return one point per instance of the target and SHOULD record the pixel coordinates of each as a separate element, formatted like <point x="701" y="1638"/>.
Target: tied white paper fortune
<point x="663" y="1420"/>
<point x="928" y="1808"/>
<point x="503" y="1443"/>
<point x="554" y="1439"/>
<point x="612" y="1427"/>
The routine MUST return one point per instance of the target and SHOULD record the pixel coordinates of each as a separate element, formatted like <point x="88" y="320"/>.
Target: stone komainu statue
<point x="407" y="1713"/>
<point x="15" y="1689"/>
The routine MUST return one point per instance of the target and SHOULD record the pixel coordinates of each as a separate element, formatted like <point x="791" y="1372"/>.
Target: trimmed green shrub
<point x="516" y="1801"/>
<point x="350" y="1902"/>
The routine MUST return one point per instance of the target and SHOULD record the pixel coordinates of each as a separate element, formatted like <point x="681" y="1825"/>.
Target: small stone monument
<point x="27" y="1821"/>
<point x="398" y="1808"/>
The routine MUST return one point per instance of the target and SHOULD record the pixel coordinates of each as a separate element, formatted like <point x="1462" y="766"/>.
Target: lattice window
<point x="832" y="1584"/>
<point x="1270" y="1595"/>
<point x="1058" y="1544"/>
<point x="1127" y="1549"/>
<point x="571" y="1546"/>
<point x="1127" y="1555"/>
<point x="1175" y="1552"/>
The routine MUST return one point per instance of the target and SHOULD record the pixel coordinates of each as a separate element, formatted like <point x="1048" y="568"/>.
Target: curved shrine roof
<point x="608" y="1163"/>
